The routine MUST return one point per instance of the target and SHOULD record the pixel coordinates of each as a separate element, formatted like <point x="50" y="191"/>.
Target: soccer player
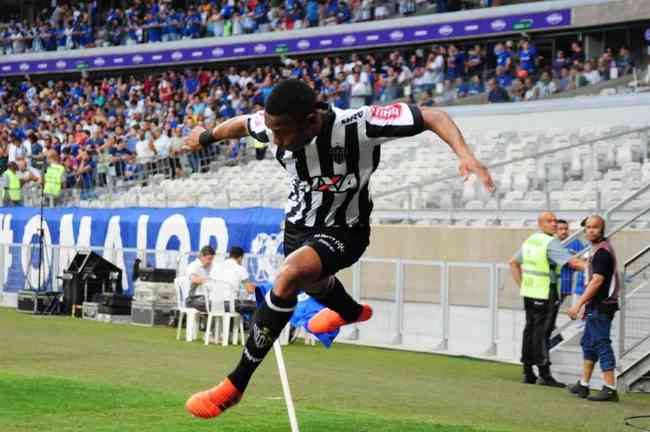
<point x="330" y="155"/>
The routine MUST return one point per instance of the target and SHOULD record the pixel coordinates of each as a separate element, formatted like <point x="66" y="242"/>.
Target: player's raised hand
<point x="192" y="140"/>
<point x="472" y="165"/>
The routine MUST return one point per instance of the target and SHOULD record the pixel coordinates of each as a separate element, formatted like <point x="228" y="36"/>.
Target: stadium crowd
<point x="83" y="25"/>
<point x="115" y="127"/>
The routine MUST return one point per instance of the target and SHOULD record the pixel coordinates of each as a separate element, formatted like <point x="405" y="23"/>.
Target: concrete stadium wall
<point x="468" y="287"/>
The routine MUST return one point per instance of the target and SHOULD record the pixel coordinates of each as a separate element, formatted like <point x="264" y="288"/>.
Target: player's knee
<point x="290" y="278"/>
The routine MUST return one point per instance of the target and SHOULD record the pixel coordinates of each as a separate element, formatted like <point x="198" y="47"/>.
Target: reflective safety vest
<point x="12" y="187"/>
<point x="53" y="180"/>
<point x="536" y="278"/>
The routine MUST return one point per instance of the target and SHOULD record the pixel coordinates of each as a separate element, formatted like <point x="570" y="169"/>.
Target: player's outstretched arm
<point x="442" y="125"/>
<point x="233" y="128"/>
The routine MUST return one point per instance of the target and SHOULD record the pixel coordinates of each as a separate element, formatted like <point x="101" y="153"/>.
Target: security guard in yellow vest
<point x="54" y="178"/>
<point x="13" y="186"/>
<point x="535" y="268"/>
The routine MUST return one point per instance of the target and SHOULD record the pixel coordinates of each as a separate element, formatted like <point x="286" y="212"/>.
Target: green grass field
<point x="59" y="374"/>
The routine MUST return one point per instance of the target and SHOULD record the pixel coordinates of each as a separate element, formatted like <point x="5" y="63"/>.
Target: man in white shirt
<point x="235" y="275"/>
<point x="162" y="143"/>
<point x="199" y="274"/>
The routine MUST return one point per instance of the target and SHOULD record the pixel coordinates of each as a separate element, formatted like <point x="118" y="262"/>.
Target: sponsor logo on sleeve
<point x="388" y="112"/>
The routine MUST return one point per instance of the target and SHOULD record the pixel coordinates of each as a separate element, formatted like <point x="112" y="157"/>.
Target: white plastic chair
<point x="215" y="303"/>
<point x="181" y="284"/>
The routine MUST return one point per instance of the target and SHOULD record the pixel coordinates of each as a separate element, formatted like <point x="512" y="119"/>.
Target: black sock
<point x="336" y="298"/>
<point x="268" y="322"/>
<point x="544" y="371"/>
<point x="528" y="370"/>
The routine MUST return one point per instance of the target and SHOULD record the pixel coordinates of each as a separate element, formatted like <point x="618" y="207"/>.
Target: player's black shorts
<point x="337" y="248"/>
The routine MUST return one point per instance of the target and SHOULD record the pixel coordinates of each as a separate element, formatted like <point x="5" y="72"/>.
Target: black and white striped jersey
<point x="330" y="176"/>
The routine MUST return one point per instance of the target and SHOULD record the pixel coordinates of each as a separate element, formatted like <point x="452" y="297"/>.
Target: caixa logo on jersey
<point x="336" y="184"/>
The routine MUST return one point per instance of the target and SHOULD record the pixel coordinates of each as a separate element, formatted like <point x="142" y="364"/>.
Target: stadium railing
<point x="111" y="178"/>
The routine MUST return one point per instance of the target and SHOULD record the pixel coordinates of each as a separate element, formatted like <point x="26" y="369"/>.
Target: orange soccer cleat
<point x="211" y="403"/>
<point x="327" y="321"/>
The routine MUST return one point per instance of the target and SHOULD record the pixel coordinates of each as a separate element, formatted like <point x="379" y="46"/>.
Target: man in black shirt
<point x="600" y="300"/>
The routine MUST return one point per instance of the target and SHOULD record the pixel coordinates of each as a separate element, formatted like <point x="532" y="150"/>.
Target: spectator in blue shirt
<point x="313" y="14"/>
<point x="497" y="94"/>
<point x="455" y="63"/>
<point x="154" y="32"/>
<point x="575" y="246"/>
<point x="192" y="24"/>
<point x="560" y="61"/>
<point x="528" y="56"/>
<point x="504" y="59"/>
<point x="503" y="77"/>
<point x="475" y="86"/>
<point x="343" y="13"/>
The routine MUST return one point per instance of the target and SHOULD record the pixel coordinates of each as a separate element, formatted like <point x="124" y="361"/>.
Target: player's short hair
<point x="291" y="97"/>
<point x="236" y="252"/>
<point x="207" y="251"/>
<point x="562" y="221"/>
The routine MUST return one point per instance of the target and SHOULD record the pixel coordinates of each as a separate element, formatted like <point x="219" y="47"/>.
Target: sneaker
<point x="328" y="321"/>
<point x="213" y="402"/>
<point x="549" y="381"/>
<point x="605" y="395"/>
<point x="579" y="390"/>
<point x="529" y="379"/>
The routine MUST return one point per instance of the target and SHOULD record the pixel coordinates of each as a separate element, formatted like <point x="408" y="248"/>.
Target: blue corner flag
<point x="306" y="308"/>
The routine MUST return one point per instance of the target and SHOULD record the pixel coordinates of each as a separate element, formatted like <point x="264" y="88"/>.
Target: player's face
<point x="562" y="231"/>
<point x="290" y="133"/>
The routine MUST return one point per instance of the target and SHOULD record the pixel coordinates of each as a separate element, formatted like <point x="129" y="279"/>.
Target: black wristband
<point x="206" y="138"/>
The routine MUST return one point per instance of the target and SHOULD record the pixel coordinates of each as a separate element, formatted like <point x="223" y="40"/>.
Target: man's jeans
<point x="596" y="343"/>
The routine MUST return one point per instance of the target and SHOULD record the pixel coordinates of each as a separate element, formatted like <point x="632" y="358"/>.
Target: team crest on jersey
<point x="388" y="112"/>
<point x="338" y="154"/>
<point x="336" y="184"/>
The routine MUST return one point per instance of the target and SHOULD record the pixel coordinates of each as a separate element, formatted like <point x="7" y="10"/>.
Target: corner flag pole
<point x="293" y="420"/>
